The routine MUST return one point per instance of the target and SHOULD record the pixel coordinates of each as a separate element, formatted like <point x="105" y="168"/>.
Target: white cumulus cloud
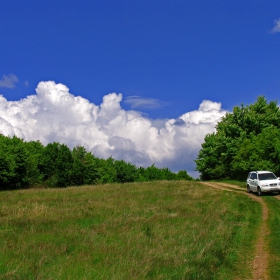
<point x="8" y="81"/>
<point x="54" y="114"/>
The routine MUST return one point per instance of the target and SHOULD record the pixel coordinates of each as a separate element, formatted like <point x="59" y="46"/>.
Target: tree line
<point x="246" y="139"/>
<point x="27" y="164"/>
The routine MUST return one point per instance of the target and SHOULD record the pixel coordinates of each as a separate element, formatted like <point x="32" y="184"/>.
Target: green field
<point x="274" y="240"/>
<point x="154" y="230"/>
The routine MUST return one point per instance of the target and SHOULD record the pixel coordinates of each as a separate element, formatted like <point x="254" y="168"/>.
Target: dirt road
<point x="259" y="264"/>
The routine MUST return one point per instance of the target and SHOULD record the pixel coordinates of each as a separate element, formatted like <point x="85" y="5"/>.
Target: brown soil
<point x="259" y="263"/>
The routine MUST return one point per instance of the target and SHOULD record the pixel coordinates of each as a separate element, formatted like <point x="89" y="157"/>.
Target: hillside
<point x="154" y="230"/>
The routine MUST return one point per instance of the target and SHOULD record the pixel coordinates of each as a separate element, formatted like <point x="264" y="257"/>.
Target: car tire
<point x="248" y="189"/>
<point x="259" y="191"/>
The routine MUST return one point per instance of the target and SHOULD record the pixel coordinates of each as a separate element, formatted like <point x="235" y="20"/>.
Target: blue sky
<point x="164" y="57"/>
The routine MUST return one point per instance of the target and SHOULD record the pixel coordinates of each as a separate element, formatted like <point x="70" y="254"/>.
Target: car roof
<point x="262" y="171"/>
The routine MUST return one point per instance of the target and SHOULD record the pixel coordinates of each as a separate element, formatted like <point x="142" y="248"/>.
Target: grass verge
<point x="274" y="237"/>
<point x="154" y="230"/>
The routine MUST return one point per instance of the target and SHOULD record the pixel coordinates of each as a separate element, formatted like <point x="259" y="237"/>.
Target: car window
<point x="253" y="176"/>
<point x="267" y="176"/>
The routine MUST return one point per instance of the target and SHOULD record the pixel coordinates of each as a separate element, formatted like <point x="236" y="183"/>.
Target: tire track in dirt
<point x="259" y="264"/>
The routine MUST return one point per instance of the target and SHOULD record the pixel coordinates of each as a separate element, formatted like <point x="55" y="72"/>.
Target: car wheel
<point x="248" y="189"/>
<point x="259" y="191"/>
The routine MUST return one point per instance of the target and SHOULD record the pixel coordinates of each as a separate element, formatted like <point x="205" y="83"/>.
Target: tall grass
<point x="274" y="240"/>
<point x="154" y="230"/>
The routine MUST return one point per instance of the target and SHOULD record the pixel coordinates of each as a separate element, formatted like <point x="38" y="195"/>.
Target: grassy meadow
<point x="154" y="230"/>
<point x="274" y="240"/>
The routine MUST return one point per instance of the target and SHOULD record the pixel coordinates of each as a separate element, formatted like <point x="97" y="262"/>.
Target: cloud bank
<point x="54" y="114"/>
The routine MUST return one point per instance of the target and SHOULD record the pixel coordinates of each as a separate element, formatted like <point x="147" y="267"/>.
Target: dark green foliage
<point x="183" y="175"/>
<point x="28" y="164"/>
<point x="245" y="140"/>
<point x="13" y="163"/>
<point x="56" y="165"/>
<point x="79" y="166"/>
<point x="153" y="173"/>
<point x="34" y="151"/>
<point x="85" y="167"/>
<point x="106" y="172"/>
<point x="167" y="174"/>
<point x="141" y="174"/>
<point x="126" y="172"/>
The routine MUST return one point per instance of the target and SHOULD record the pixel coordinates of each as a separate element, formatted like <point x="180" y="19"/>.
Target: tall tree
<point x="125" y="172"/>
<point x="56" y="165"/>
<point x="13" y="163"/>
<point x="225" y="153"/>
<point x="34" y="151"/>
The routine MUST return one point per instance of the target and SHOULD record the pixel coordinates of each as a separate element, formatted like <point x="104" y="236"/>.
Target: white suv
<point x="262" y="181"/>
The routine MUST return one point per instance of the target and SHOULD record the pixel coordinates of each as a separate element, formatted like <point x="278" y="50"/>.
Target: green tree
<point x="260" y="152"/>
<point x="183" y="175"/>
<point x="26" y="164"/>
<point x="152" y="173"/>
<point x="106" y="171"/>
<point x="167" y="174"/>
<point x="13" y="163"/>
<point x="125" y="172"/>
<point x="85" y="167"/>
<point x="231" y="152"/>
<point x="34" y="155"/>
<point x="141" y="175"/>
<point x="79" y="166"/>
<point x="56" y="165"/>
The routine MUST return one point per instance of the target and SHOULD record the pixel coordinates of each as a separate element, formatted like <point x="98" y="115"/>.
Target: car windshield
<point x="267" y="176"/>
